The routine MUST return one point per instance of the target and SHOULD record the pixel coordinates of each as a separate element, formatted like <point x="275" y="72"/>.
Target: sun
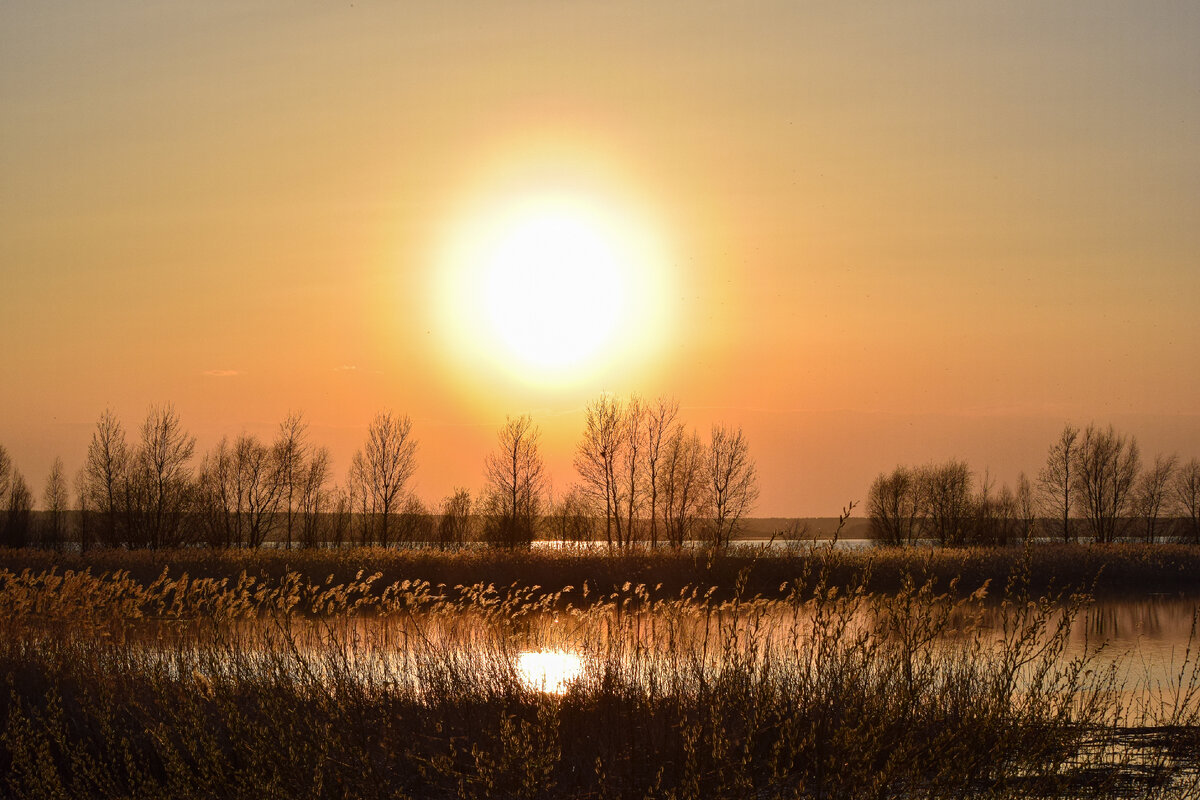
<point x="555" y="286"/>
<point x="550" y="286"/>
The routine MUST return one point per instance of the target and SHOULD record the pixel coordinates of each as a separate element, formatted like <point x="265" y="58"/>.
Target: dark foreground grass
<point x="282" y="687"/>
<point x="1102" y="570"/>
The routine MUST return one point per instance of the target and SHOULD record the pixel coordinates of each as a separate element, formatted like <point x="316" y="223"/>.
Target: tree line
<point x="642" y="476"/>
<point x="1093" y="487"/>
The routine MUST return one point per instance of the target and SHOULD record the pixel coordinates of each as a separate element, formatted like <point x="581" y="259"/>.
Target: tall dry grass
<point x="286" y="686"/>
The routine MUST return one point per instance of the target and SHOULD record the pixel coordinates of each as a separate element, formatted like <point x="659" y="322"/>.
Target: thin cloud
<point x="222" y="373"/>
<point x="346" y="368"/>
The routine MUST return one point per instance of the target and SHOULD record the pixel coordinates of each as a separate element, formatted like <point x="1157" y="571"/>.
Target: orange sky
<point x="892" y="232"/>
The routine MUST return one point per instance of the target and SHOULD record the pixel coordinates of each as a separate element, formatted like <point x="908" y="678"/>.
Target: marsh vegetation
<point x="285" y="684"/>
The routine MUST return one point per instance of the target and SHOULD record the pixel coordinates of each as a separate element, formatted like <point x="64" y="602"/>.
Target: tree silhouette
<point x="1105" y="478"/>
<point x="55" y="502"/>
<point x="597" y="457"/>
<point x="1153" y="493"/>
<point x="382" y="469"/>
<point x="516" y="484"/>
<point x="106" y="477"/>
<point x="1056" y="481"/>
<point x="161" y="483"/>
<point x="733" y="482"/>
<point x="685" y="498"/>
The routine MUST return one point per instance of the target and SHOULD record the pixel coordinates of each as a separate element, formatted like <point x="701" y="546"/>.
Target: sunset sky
<point x="869" y="233"/>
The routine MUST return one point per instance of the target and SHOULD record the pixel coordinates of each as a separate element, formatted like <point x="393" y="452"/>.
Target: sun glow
<point x="553" y="286"/>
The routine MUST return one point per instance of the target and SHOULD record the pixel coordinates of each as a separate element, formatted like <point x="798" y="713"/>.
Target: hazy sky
<point x="881" y="232"/>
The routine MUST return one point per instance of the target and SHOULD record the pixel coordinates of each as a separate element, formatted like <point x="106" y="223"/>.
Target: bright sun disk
<point x="551" y="287"/>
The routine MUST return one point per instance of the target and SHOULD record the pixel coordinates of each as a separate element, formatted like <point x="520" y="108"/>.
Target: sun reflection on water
<point x="550" y="671"/>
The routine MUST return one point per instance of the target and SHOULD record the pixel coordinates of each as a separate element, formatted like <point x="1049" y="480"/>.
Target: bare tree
<point x="1105" y="478"/>
<point x="732" y="482"/>
<point x="16" y="504"/>
<point x="516" y="484"/>
<point x="597" y="457"/>
<point x="894" y="506"/>
<point x="454" y="526"/>
<point x="106" y="477"/>
<point x="291" y="451"/>
<point x="571" y="518"/>
<point x="221" y="497"/>
<point x="1026" y="507"/>
<point x="633" y="455"/>
<point x="358" y="496"/>
<point x="1187" y="496"/>
<point x="1007" y="520"/>
<point x="947" y="491"/>
<point x="415" y="523"/>
<point x="312" y="498"/>
<point x="1056" y="480"/>
<point x="19" y="511"/>
<point x="1153" y="493"/>
<point x="55" y="502"/>
<point x="161" y="479"/>
<point x="997" y="520"/>
<point x="341" y="513"/>
<point x="685" y="499"/>
<point x="6" y="469"/>
<point x="84" y="503"/>
<point x="660" y="423"/>
<point x="384" y="467"/>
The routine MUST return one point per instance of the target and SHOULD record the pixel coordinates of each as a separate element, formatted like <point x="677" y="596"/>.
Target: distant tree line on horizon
<point x="642" y="477"/>
<point x="1092" y="487"/>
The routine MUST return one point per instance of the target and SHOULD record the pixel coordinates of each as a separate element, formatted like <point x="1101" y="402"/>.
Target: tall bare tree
<point x="1008" y="515"/>
<point x="1187" y="496"/>
<point x="384" y="467"/>
<point x="291" y="452"/>
<point x="597" y="457"/>
<point x="1026" y="507"/>
<point x="84" y="504"/>
<point x="516" y="484"/>
<point x="358" y="497"/>
<point x="1056" y="480"/>
<point x="220" y="497"/>
<point x="1153" y="493"/>
<point x="1105" y="479"/>
<point x="341" y="514"/>
<point x="55" y="502"/>
<point x="14" y="528"/>
<point x="106" y="477"/>
<point x="660" y="424"/>
<point x="685" y="491"/>
<point x="16" y="504"/>
<point x="732" y="482"/>
<point x="312" y="499"/>
<point x="454" y="525"/>
<point x="632" y="457"/>
<point x="162" y="479"/>
<point x="6" y="468"/>
<point x="241" y="490"/>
